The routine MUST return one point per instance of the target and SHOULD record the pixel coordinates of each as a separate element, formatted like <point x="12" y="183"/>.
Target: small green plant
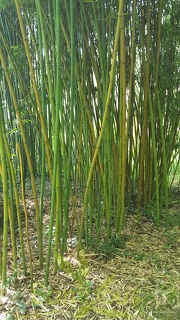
<point x="171" y="238"/>
<point x="12" y="280"/>
<point x="113" y="247"/>
<point x="174" y="219"/>
<point x="9" y="316"/>
<point x="20" y="304"/>
<point x="150" y="212"/>
<point x="41" y="294"/>
<point x="139" y="256"/>
<point x="83" y="287"/>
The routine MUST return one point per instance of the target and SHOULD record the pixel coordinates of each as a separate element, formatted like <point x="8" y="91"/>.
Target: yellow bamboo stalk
<point x="12" y="171"/>
<point x="11" y="89"/>
<point x="18" y="149"/>
<point x="81" y="88"/>
<point x="112" y="74"/>
<point x="5" y="202"/>
<point x="33" y="79"/>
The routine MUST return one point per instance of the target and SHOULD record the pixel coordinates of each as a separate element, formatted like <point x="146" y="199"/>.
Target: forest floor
<point x="134" y="277"/>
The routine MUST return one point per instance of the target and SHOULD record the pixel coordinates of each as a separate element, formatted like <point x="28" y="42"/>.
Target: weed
<point x="171" y="237"/>
<point x="83" y="287"/>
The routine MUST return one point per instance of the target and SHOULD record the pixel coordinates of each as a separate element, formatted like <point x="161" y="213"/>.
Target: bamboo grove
<point x="89" y="99"/>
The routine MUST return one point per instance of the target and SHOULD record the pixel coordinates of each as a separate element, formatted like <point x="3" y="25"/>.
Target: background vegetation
<point x="89" y="100"/>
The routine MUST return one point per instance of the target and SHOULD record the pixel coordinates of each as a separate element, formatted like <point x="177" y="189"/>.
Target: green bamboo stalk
<point x="123" y="124"/>
<point x="157" y="102"/>
<point x="25" y="212"/>
<point x="69" y="160"/>
<point x="56" y="166"/>
<point x="11" y="216"/>
<point x="16" y="193"/>
<point x="83" y="96"/>
<point x="43" y="99"/>
<point x="3" y="62"/>
<point x="155" y="159"/>
<point x="143" y="177"/>
<point x="22" y="85"/>
<point x="112" y="74"/>
<point x="4" y="175"/>
<point x="47" y="60"/>
<point x="59" y="187"/>
<point x="33" y="79"/>
<point x="131" y="98"/>
<point x="0" y="255"/>
<point x="10" y="199"/>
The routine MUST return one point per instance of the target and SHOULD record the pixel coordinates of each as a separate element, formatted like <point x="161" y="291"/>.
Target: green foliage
<point x="169" y="56"/>
<point x="83" y="287"/>
<point x="109" y="249"/>
<point x="19" y="57"/>
<point x="12" y="280"/>
<point x="5" y="3"/>
<point x="139" y="256"/>
<point x="43" y="294"/>
<point x="174" y="218"/>
<point x="150" y="212"/>
<point x="10" y="316"/>
<point x="21" y="306"/>
<point x="172" y="240"/>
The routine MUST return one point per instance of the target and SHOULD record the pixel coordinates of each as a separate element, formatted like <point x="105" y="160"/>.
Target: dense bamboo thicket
<point x="89" y="99"/>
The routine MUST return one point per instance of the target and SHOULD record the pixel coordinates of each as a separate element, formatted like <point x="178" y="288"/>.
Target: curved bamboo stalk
<point x="112" y="74"/>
